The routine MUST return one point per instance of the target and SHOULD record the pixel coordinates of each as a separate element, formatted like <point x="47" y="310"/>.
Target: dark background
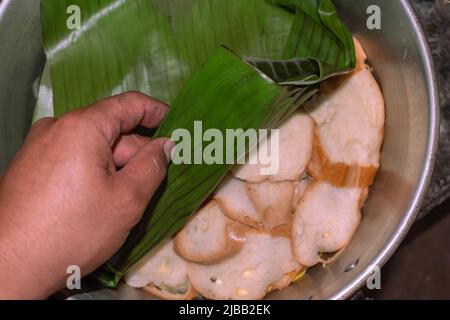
<point x="420" y="269"/>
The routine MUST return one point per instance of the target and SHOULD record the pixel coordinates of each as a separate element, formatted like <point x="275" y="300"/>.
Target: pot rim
<point x="411" y="213"/>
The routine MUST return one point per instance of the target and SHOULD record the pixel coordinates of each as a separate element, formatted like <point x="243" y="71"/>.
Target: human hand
<point x="64" y="202"/>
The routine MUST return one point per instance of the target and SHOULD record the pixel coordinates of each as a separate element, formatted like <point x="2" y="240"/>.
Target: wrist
<point x="20" y="276"/>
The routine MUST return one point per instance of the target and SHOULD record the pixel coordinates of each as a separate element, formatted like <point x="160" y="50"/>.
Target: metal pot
<point x="402" y="63"/>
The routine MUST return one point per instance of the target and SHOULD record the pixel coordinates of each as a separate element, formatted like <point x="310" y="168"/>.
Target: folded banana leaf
<point x="279" y="50"/>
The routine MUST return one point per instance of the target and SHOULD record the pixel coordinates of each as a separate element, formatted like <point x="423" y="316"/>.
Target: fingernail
<point x="168" y="148"/>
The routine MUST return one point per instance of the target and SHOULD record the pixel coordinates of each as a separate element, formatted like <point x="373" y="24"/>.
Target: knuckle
<point x="71" y="127"/>
<point x="71" y="120"/>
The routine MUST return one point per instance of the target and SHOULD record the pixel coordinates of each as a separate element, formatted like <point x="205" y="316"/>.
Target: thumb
<point x="144" y="172"/>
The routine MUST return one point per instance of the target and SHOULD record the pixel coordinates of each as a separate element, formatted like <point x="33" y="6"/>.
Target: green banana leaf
<point x="152" y="46"/>
<point x="281" y="50"/>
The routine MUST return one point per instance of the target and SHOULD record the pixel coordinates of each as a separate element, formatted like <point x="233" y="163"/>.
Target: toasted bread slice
<point x="349" y="117"/>
<point x="210" y="236"/>
<point x="163" y="273"/>
<point x="234" y="201"/>
<point x="273" y="201"/>
<point x="295" y="149"/>
<point x="265" y="260"/>
<point x="325" y="221"/>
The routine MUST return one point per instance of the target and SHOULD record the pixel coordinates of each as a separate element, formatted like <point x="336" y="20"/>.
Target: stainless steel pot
<point x="402" y="63"/>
